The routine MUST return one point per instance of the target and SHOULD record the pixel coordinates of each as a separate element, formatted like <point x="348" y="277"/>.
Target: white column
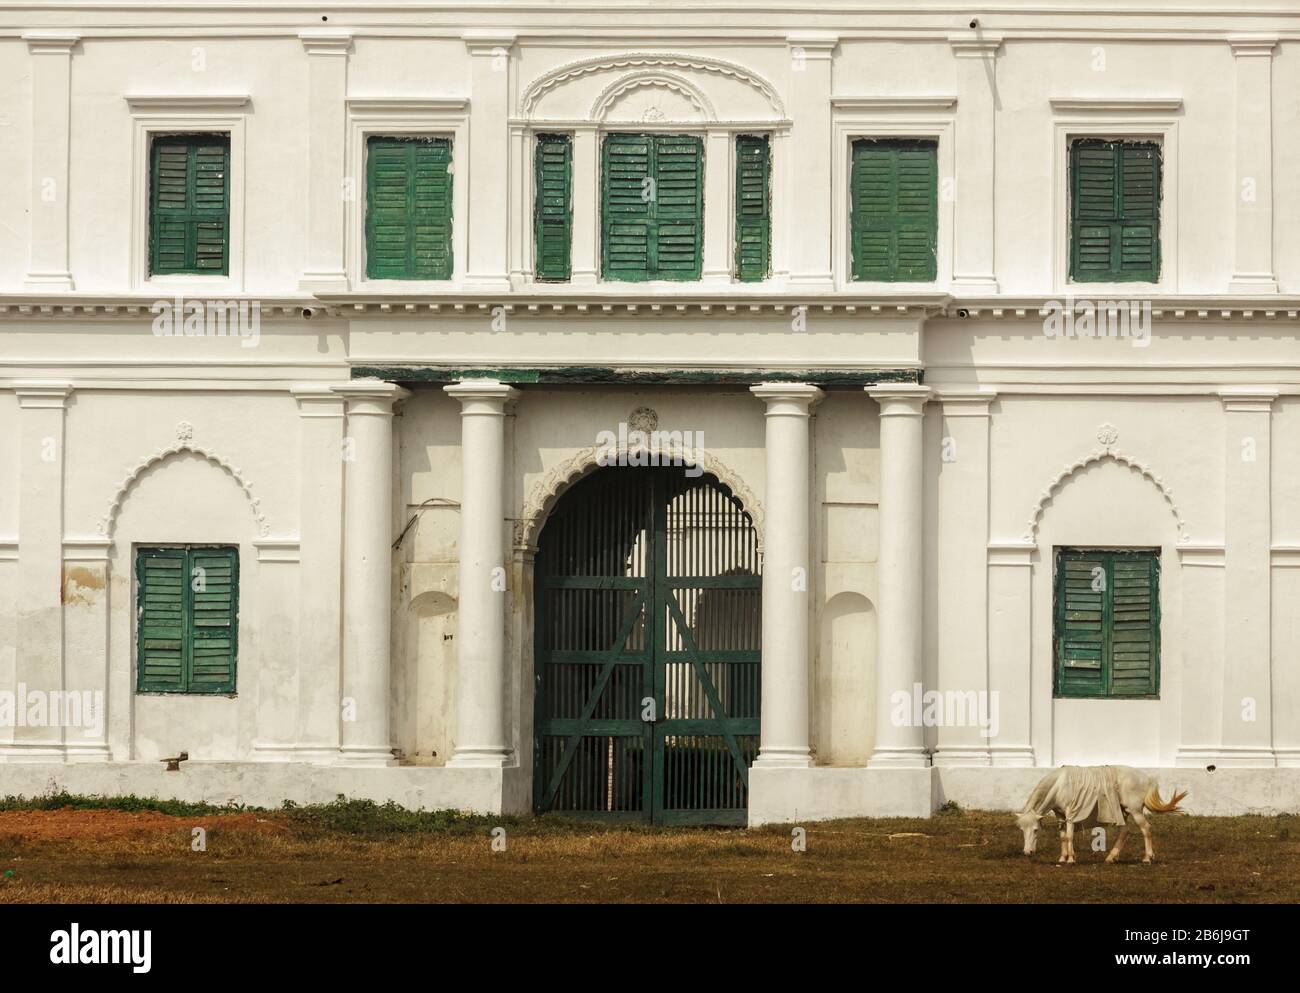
<point x="38" y="635"/>
<point x="489" y="158"/>
<point x="367" y="571"/>
<point x="586" y="197"/>
<point x="482" y="737"/>
<point x="85" y="644"/>
<point x="1011" y="654"/>
<point x="1202" y="579"/>
<point x="1247" y="700"/>
<point x="1252" y="270"/>
<point x="787" y="563"/>
<point x="320" y="648"/>
<point x="962" y="579"/>
<point x="808" y="178"/>
<point x="973" y="263"/>
<point x="327" y="89"/>
<point x="899" y="571"/>
<point x="719" y="195"/>
<point x="51" y="128"/>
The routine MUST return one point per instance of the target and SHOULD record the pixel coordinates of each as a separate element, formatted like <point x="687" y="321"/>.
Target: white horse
<point x="1088" y="795"/>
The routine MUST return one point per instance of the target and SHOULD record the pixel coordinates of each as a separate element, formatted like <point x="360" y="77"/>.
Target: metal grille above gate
<point x="647" y="650"/>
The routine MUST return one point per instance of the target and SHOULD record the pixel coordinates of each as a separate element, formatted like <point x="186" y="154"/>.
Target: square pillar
<point x="962" y="578"/>
<point x="973" y="268"/>
<point x="327" y="88"/>
<point x="51" y="53"/>
<point x="719" y="195"/>
<point x="808" y="178"/>
<point x="586" y="199"/>
<point x="489" y="159"/>
<point x="1010" y="651"/>
<point x="1252" y="268"/>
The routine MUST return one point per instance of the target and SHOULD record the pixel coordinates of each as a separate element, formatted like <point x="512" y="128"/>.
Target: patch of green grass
<point x="60" y="800"/>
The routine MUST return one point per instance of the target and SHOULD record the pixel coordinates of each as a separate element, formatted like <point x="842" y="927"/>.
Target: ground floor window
<point x="1107" y="622"/>
<point x="187" y="612"/>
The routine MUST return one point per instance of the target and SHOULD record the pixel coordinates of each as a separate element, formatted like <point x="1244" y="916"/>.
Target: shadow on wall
<point x="845" y="682"/>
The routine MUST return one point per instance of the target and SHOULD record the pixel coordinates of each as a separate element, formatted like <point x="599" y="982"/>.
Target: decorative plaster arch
<point x="183" y="443"/>
<point x="546" y="82"/>
<point x="1107" y="435"/>
<point x="652" y="78"/>
<point x="548" y="490"/>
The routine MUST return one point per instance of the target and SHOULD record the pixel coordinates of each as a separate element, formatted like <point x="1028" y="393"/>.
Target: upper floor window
<point x="553" y="206"/>
<point x="408" y="208"/>
<point x="1114" y="211"/>
<point x="187" y="609"/>
<point x="753" y="207"/>
<point x="1107" y="620"/>
<point x="894" y="210"/>
<point x="652" y="207"/>
<point x="189" y="204"/>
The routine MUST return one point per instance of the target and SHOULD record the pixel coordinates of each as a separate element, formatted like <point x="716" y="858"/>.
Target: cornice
<point x="1116" y="105"/>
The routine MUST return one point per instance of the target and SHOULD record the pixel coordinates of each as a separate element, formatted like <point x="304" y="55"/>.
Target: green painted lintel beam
<point x="611" y="375"/>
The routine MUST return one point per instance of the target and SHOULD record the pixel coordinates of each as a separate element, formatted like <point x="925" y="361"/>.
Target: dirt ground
<point x="78" y="855"/>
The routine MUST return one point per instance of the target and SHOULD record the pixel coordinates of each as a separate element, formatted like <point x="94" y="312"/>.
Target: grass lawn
<point x="76" y="849"/>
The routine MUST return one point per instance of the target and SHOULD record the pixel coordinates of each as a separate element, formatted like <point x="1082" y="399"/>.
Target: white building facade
<point x="736" y="413"/>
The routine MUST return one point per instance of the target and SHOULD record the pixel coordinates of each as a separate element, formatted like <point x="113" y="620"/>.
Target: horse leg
<point x="1063" y="849"/>
<point x="1069" y="840"/>
<point x="1141" y="820"/>
<point x="1119" y="843"/>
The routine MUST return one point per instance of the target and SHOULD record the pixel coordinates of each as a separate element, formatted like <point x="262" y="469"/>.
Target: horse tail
<point x="1156" y="805"/>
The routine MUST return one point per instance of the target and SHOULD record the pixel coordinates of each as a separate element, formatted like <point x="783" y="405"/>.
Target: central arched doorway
<point x="647" y="650"/>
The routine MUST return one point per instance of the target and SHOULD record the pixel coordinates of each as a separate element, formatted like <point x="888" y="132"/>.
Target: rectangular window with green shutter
<point x="753" y="207"/>
<point x="553" y="207"/>
<point x="1114" y="211"/>
<point x="894" y="210"/>
<point x="189" y="204"/>
<point x="1107" y="623"/>
<point x="187" y="619"/>
<point x="408" y="208"/>
<point x="652" y="207"/>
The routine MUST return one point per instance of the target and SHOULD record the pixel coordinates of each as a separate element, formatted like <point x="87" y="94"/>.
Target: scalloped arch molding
<point x="1107" y="435"/>
<point x="632" y="82"/>
<point x="183" y="444"/>
<point x="546" y="82"/>
<point x="548" y="490"/>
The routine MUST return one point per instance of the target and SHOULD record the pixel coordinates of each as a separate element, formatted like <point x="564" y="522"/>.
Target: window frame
<point x="190" y="140"/>
<point x="365" y="192"/>
<point x="1153" y="554"/>
<point x="137" y="551"/>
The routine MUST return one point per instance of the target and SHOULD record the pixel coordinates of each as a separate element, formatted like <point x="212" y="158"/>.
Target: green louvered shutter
<point x="408" y="208"/>
<point x="553" y="206"/>
<point x="189" y="204"/>
<point x="1107" y="623"/>
<point x="214" y="635"/>
<point x="1115" y="211"/>
<point x="679" y="208"/>
<point x="187" y="630"/>
<point x="160" y="620"/>
<point x="652" y="207"/>
<point x="894" y="205"/>
<point x="753" y="207"/>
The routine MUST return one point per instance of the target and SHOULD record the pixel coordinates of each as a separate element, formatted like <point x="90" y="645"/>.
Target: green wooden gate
<point x="647" y="650"/>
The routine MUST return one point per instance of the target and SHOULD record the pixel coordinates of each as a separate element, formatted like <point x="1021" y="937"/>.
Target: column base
<point x="48" y="281"/>
<point x="324" y="282"/>
<point x="275" y="752"/>
<point x="480" y="281"/>
<point x="481" y="758"/>
<point x="1226" y="756"/>
<point x="964" y="756"/>
<point x="369" y="756"/>
<point x="975" y="284"/>
<point x="95" y="751"/>
<point x="812" y="280"/>
<point x="783" y="758"/>
<point x="899" y="757"/>
<point x="1253" y="282"/>
<point x="1012" y="756"/>
<point x="583" y="277"/>
<point x="33" y="751"/>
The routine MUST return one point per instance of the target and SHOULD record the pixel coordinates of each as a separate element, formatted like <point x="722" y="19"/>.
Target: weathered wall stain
<point x="81" y="586"/>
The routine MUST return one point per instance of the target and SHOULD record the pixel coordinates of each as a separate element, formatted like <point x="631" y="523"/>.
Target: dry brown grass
<point x="111" y="856"/>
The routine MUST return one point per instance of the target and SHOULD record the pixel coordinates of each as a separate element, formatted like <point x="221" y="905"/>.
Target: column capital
<point x="1248" y="399"/>
<point x="489" y="43"/>
<point x="900" y="399"/>
<point x="34" y="393"/>
<point x="969" y="46"/>
<point x="965" y="403"/>
<point x="326" y="41"/>
<point x="815" y="45"/>
<point x="317" y="399"/>
<point x="370" y="396"/>
<point x="788" y="398"/>
<point x="482" y="395"/>
<point x="51" y="42"/>
<point x="1252" y="46"/>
